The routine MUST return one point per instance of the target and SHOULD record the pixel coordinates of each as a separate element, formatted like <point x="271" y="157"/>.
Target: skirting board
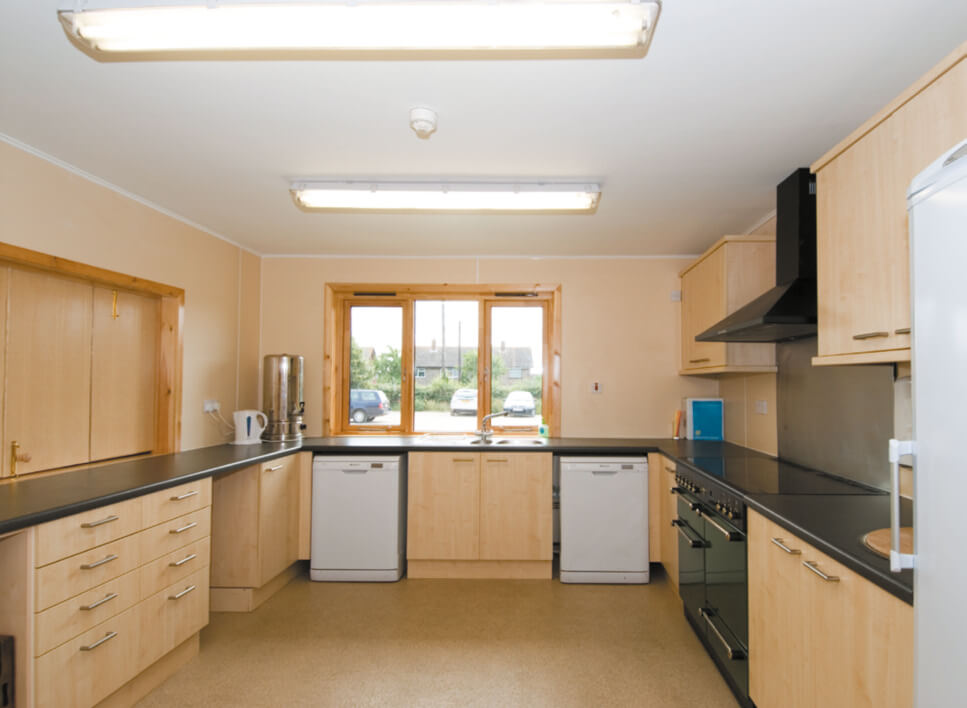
<point x="247" y="599"/>
<point x="153" y="676"/>
<point x="477" y="570"/>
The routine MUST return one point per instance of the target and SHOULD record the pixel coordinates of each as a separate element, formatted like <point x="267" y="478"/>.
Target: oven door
<point x="691" y="556"/>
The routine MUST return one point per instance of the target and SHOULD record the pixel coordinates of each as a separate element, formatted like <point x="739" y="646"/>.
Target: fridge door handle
<point x="898" y="561"/>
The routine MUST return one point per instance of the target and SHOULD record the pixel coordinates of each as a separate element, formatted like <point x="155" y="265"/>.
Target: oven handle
<point x="734" y="654"/>
<point x="693" y="542"/>
<point x="731" y="536"/>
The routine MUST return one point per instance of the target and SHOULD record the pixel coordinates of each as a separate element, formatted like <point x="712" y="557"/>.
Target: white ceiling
<point x="688" y="143"/>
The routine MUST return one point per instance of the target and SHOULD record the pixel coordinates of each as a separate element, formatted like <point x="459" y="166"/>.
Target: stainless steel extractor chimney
<point x="282" y="378"/>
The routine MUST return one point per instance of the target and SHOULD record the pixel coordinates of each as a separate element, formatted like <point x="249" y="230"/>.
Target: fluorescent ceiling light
<point x="464" y="196"/>
<point x="387" y="25"/>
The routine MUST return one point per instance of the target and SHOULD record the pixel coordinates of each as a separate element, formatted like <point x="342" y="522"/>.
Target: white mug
<point x="248" y="429"/>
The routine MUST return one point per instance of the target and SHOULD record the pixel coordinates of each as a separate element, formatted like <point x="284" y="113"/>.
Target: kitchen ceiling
<point x="687" y="143"/>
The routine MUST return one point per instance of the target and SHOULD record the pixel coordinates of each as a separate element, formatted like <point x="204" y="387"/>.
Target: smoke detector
<point x="423" y="122"/>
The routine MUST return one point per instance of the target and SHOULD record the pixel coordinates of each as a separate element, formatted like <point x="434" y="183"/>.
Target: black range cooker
<point x="711" y="524"/>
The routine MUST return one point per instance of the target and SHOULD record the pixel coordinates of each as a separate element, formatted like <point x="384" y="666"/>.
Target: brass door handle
<point x="114" y="306"/>
<point x="17" y="456"/>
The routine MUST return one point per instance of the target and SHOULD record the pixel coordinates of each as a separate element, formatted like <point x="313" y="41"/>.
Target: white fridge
<point x="937" y="203"/>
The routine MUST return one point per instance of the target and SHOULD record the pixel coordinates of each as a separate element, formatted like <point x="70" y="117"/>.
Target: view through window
<point x="375" y="365"/>
<point x="516" y="365"/>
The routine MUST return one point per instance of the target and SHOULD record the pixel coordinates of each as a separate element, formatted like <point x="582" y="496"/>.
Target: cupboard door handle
<point x="902" y="330"/>
<point x="698" y="361"/>
<point x="497" y="459"/>
<point x="186" y="495"/>
<point x="734" y="654"/>
<point x="175" y="564"/>
<point x="114" y="306"/>
<point x="813" y="567"/>
<point x="669" y="470"/>
<point x="107" y="637"/>
<point x="184" y="528"/>
<point x="783" y="546"/>
<point x="871" y="335"/>
<point x="106" y="598"/>
<point x="463" y="459"/>
<point x="103" y="561"/>
<point x="178" y="596"/>
<point x="105" y="520"/>
<point x="273" y="469"/>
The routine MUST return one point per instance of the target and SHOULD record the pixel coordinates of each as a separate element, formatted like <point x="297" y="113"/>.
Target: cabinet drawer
<point x="66" y="620"/>
<point x="171" y="616"/>
<point x="90" y="667"/>
<point x="177" y="501"/>
<point x="69" y="577"/>
<point x="174" y="566"/>
<point x="72" y="534"/>
<point x="174" y="534"/>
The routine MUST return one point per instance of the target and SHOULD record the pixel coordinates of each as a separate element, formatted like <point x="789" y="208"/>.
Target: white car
<point x="519" y="403"/>
<point x="464" y="402"/>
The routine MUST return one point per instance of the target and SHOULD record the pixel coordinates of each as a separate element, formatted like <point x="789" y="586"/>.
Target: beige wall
<point x="619" y="327"/>
<point x="50" y="209"/>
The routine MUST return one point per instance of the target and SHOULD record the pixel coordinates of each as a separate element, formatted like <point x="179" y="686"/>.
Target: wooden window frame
<point x="168" y="392"/>
<point x="339" y="297"/>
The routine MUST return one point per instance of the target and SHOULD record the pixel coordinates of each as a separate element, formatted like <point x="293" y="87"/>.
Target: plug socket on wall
<point x="211" y="406"/>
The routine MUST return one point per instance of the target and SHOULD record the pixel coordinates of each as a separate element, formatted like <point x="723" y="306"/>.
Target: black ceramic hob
<point x="764" y="475"/>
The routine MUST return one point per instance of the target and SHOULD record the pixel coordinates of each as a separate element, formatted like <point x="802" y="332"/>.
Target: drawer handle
<point x="669" y="470"/>
<point x="103" y="561"/>
<point x="184" y="560"/>
<point x="497" y="459"/>
<point x="699" y="361"/>
<point x="828" y="578"/>
<point x="106" y="638"/>
<point x="95" y="605"/>
<point x="181" y="594"/>
<point x="184" y="528"/>
<point x="871" y="335"/>
<point x="181" y="497"/>
<point x="902" y="330"/>
<point x="783" y="546"/>
<point x="273" y="469"/>
<point x="105" y="520"/>
<point x="463" y="459"/>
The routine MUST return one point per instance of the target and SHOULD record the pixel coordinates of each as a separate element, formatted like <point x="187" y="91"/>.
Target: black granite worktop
<point x="834" y="523"/>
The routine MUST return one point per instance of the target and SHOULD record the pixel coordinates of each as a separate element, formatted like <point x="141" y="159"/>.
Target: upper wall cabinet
<point x="863" y="242"/>
<point x="734" y="271"/>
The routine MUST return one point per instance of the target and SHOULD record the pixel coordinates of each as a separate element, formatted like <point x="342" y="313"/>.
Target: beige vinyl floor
<point x="452" y="643"/>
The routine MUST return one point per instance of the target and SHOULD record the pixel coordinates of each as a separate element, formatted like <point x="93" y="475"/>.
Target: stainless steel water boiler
<point x="282" y="397"/>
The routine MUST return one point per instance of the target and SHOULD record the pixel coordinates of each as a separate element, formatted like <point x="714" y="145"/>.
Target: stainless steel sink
<point x="521" y="442"/>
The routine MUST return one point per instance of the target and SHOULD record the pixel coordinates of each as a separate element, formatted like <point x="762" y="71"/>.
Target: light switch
<point x="761" y="407"/>
<point x="676" y="296"/>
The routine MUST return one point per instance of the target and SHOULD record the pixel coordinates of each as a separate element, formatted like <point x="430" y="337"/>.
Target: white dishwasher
<point x="358" y="518"/>
<point x="604" y="520"/>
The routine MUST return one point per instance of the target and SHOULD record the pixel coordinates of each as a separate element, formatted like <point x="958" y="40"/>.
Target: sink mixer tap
<point x="484" y="434"/>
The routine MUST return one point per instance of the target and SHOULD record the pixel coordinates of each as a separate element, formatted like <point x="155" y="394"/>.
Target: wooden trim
<point x="248" y="599"/>
<point x="743" y="238"/>
<point x="17" y="593"/>
<point x="729" y="370"/>
<point x="945" y="65"/>
<point x="63" y="266"/>
<point x="889" y="356"/>
<point x="443" y="291"/>
<point x="478" y="570"/>
<point x="153" y="676"/>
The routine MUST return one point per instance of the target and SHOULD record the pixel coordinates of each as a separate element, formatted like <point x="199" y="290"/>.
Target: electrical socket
<point x="761" y="407"/>
<point x="211" y="406"/>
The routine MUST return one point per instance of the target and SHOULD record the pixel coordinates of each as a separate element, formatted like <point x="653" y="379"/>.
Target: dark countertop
<point x="832" y="523"/>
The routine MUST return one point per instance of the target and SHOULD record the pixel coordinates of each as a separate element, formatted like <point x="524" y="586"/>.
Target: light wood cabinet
<point x="815" y="641"/>
<point x="862" y="230"/>
<point x="124" y="369"/>
<point x="479" y="514"/>
<point x="669" y="512"/>
<point x="733" y="272"/>
<point x="278" y="517"/>
<point x="654" y="507"/>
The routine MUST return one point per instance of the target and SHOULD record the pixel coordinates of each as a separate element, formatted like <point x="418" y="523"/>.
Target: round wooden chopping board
<point x="879" y="541"/>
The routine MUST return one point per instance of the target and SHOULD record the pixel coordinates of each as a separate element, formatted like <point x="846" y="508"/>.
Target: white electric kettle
<point x="248" y="429"/>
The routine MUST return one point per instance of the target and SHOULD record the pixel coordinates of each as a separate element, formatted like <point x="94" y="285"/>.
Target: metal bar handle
<point x="669" y="470"/>
<point x="681" y="526"/>
<point x="698" y="361"/>
<point x="105" y="520"/>
<point x="783" y="546"/>
<point x="184" y="528"/>
<point x="730" y="536"/>
<point x="273" y="469"/>
<point x="103" y="561"/>
<point x="177" y="564"/>
<point x="898" y="560"/>
<point x="902" y="330"/>
<point x="813" y="567"/>
<point x="871" y="335"/>
<point x="106" y="638"/>
<point x="181" y="497"/>
<point x="733" y="653"/>
<point x="95" y="605"/>
<point x="178" y="596"/>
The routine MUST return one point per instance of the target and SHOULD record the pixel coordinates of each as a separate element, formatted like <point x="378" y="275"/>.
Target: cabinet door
<point x="48" y="376"/>
<point x="278" y="517"/>
<point x="516" y="506"/>
<point x="669" y="512"/>
<point x="235" y="530"/>
<point x="123" y="373"/>
<point x="655" y="478"/>
<point x="703" y="304"/>
<point x="443" y="511"/>
<point x="778" y="656"/>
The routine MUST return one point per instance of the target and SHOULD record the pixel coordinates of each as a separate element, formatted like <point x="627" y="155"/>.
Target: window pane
<point x="445" y="365"/>
<point x="375" y="370"/>
<point x="516" y="365"/>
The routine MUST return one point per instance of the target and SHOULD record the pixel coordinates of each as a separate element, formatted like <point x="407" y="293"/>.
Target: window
<point x="472" y="351"/>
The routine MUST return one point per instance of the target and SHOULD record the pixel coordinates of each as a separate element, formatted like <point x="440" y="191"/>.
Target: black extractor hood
<point x="787" y="311"/>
